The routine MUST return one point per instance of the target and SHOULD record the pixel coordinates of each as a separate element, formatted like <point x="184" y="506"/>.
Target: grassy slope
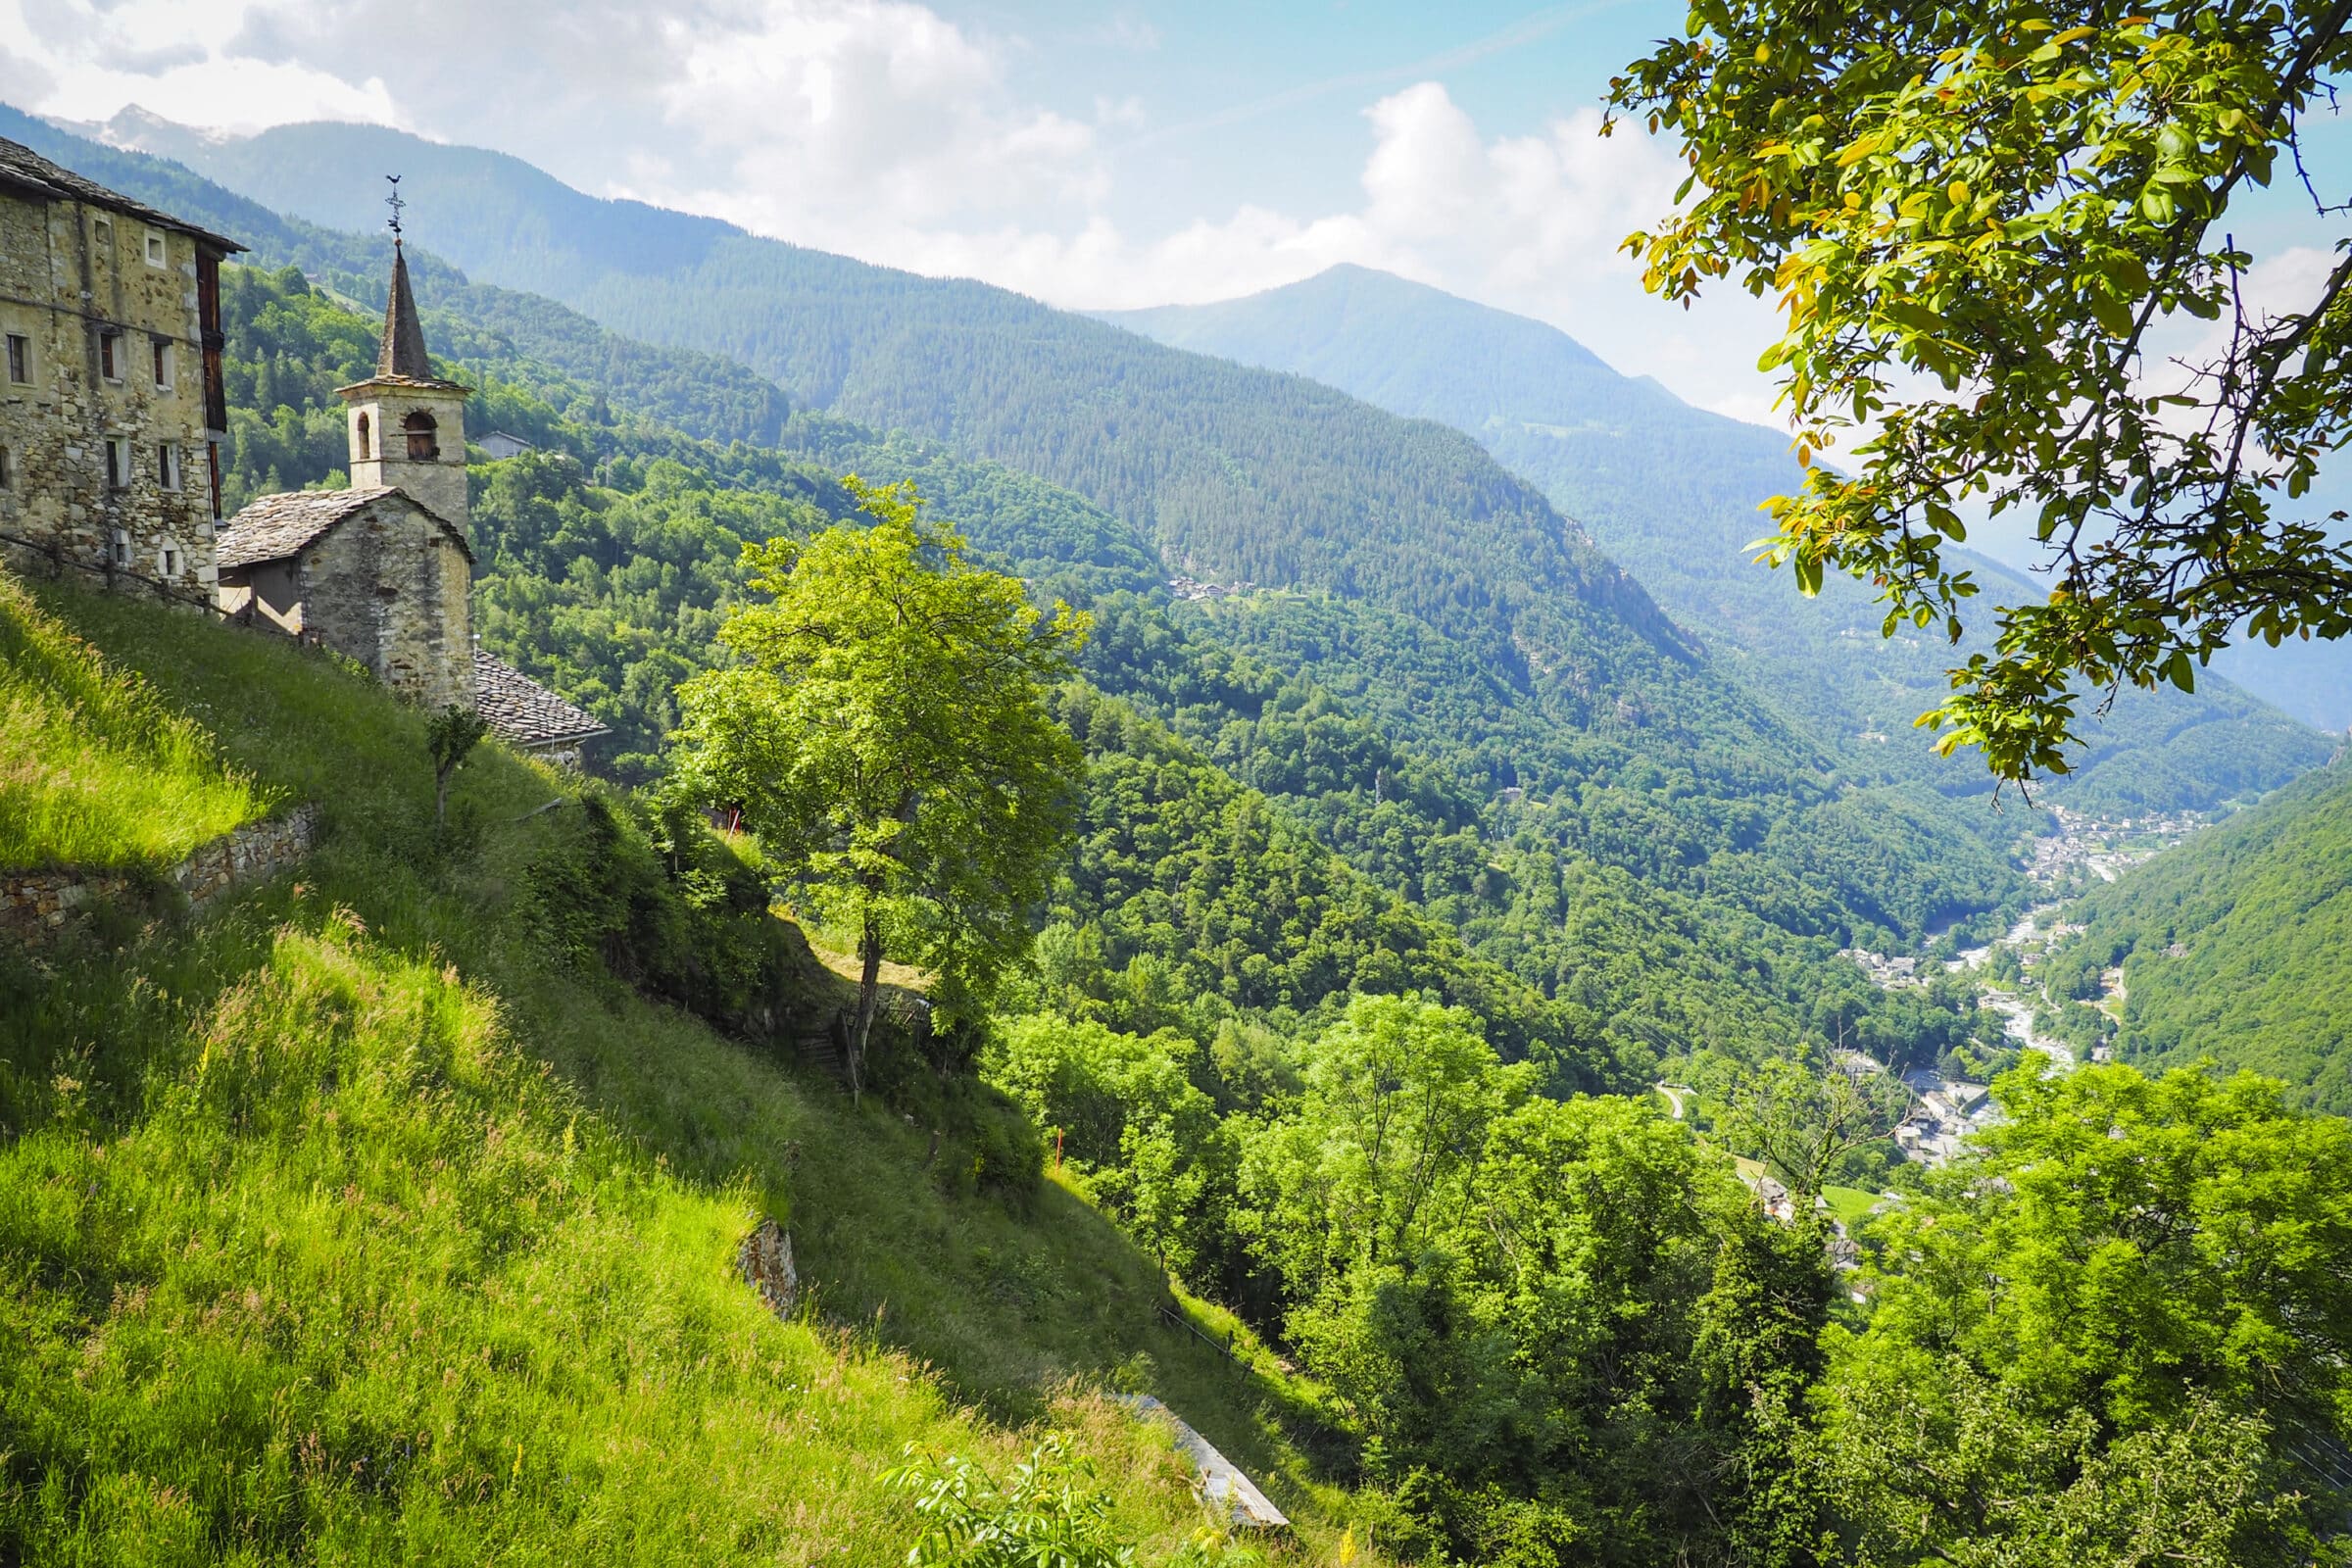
<point x="337" y="1226"/>
<point x="95" y="771"/>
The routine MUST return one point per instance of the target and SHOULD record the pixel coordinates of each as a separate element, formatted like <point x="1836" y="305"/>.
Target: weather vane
<point x="394" y="202"/>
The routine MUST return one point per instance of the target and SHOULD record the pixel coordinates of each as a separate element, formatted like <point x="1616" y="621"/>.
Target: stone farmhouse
<point x="96" y="464"/>
<point x="112" y="409"/>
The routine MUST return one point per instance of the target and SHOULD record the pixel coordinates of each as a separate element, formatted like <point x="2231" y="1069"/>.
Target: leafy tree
<point x="451" y="735"/>
<point x="2001" y="202"/>
<point x="1398" y="1098"/>
<point x="1803" y="1120"/>
<point x="2119" y="1334"/>
<point x="887" y="737"/>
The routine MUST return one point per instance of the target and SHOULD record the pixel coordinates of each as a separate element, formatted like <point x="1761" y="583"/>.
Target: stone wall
<point x="388" y="586"/>
<point x="37" y="907"/>
<point x="69" y="274"/>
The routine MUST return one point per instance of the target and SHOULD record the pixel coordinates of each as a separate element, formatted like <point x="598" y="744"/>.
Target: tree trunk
<point x="440" y="798"/>
<point x="869" y="989"/>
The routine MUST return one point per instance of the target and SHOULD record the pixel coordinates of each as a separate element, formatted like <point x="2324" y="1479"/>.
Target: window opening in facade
<point x="117" y="463"/>
<point x="155" y="249"/>
<point x="162" y="363"/>
<point x="166" y="465"/>
<point x="424" y="438"/>
<point x="20" y="359"/>
<point x="367" y="437"/>
<point x="110" y="355"/>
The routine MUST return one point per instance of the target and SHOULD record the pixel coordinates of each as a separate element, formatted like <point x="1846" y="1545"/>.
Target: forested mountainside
<point x="386" y="1211"/>
<point x="1672" y="492"/>
<point x="1255" y="845"/>
<point x="2235" y="946"/>
<point x="1505" y="648"/>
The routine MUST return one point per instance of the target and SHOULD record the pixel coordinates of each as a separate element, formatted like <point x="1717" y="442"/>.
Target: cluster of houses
<point x="113" y="416"/>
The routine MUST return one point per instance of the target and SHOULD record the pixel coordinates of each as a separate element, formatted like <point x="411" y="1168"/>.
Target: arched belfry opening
<point x="365" y="446"/>
<point x="424" y="434"/>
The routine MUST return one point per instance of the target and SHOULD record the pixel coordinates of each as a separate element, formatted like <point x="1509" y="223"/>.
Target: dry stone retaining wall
<point x="36" y="908"/>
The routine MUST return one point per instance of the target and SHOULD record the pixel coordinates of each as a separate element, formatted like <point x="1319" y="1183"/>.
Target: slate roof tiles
<point x="273" y="527"/>
<point x="522" y="711"/>
<point x="21" y="166"/>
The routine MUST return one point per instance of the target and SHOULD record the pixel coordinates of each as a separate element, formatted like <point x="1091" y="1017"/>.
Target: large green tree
<point x="1976" y="218"/>
<point x="887" y="737"/>
<point x="2117" y="1335"/>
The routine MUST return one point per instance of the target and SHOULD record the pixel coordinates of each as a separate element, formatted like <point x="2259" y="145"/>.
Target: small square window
<point x="20" y="359"/>
<point x="117" y="463"/>
<point x="161" y="349"/>
<point x="110" y="355"/>
<point x="118" y="548"/>
<point x="104" y="231"/>
<point x="171" y="562"/>
<point x="155" y="249"/>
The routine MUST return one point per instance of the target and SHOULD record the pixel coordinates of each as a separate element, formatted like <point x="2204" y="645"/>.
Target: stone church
<point x="112" y="417"/>
<point x="382" y="572"/>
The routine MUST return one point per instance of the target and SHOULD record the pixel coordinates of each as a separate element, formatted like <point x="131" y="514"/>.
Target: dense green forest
<point x="607" y="558"/>
<point x="1673" y="492"/>
<point x="2235" y="946"/>
<point x="1529" y="652"/>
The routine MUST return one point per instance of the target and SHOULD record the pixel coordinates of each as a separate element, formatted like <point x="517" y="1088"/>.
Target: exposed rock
<point x="765" y="1260"/>
<point x="1220" y="1481"/>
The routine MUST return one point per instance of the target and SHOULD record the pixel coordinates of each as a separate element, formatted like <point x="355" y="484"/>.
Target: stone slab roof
<point x="520" y="709"/>
<point x="21" y="166"/>
<point x="273" y="527"/>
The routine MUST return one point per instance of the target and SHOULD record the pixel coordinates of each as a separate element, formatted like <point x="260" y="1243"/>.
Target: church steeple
<point x="403" y="353"/>
<point x="408" y="426"/>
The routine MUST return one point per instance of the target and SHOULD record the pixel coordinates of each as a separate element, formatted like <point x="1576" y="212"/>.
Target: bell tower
<point x="408" y="426"/>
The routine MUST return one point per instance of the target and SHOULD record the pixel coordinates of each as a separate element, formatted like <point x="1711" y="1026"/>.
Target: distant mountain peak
<point x="136" y="129"/>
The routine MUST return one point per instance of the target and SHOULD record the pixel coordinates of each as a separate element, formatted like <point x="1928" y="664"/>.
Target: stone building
<point x="379" y="572"/>
<point x="110" y="399"/>
<point x="382" y="572"/>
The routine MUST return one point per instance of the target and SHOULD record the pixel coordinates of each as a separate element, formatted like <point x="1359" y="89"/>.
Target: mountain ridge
<point x="1251" y="475"/>
<point x="1670" y="491"/>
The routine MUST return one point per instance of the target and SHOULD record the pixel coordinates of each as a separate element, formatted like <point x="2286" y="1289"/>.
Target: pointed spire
<point x="403" y="353"/>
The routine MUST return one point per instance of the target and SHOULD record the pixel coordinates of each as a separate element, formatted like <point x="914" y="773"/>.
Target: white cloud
<point x="84" y="58"/>
<point x="883" y="129"/>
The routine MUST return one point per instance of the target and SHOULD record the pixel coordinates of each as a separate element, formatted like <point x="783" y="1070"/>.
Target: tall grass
<point x="344" y="1226"/>
<point x="94" y="769"/>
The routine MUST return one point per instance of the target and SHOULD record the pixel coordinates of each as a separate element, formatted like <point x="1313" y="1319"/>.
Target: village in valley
<point x="1946" y="1110"/>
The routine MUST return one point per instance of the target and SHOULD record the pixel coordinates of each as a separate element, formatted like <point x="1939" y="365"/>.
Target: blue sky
<point x="1094" y="155"/>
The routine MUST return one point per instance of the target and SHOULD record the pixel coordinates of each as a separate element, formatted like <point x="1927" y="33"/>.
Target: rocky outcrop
<point x="764" y="1259"/>
<point x="37" y="907"/>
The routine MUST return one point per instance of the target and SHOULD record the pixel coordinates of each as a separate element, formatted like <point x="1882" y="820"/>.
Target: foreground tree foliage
<point x="1563" y="1333"/>
<point x="888" y="738"/>
<point x="2006" y="204"/>
<point x="2119" y="1334"/>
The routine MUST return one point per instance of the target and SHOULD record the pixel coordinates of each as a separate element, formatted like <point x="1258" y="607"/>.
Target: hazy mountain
<point x="1670" y="491"/>
<point x="1416" y="576"/>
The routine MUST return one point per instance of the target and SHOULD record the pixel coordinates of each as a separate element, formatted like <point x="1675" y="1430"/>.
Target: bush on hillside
<point x="652" y="895"/>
